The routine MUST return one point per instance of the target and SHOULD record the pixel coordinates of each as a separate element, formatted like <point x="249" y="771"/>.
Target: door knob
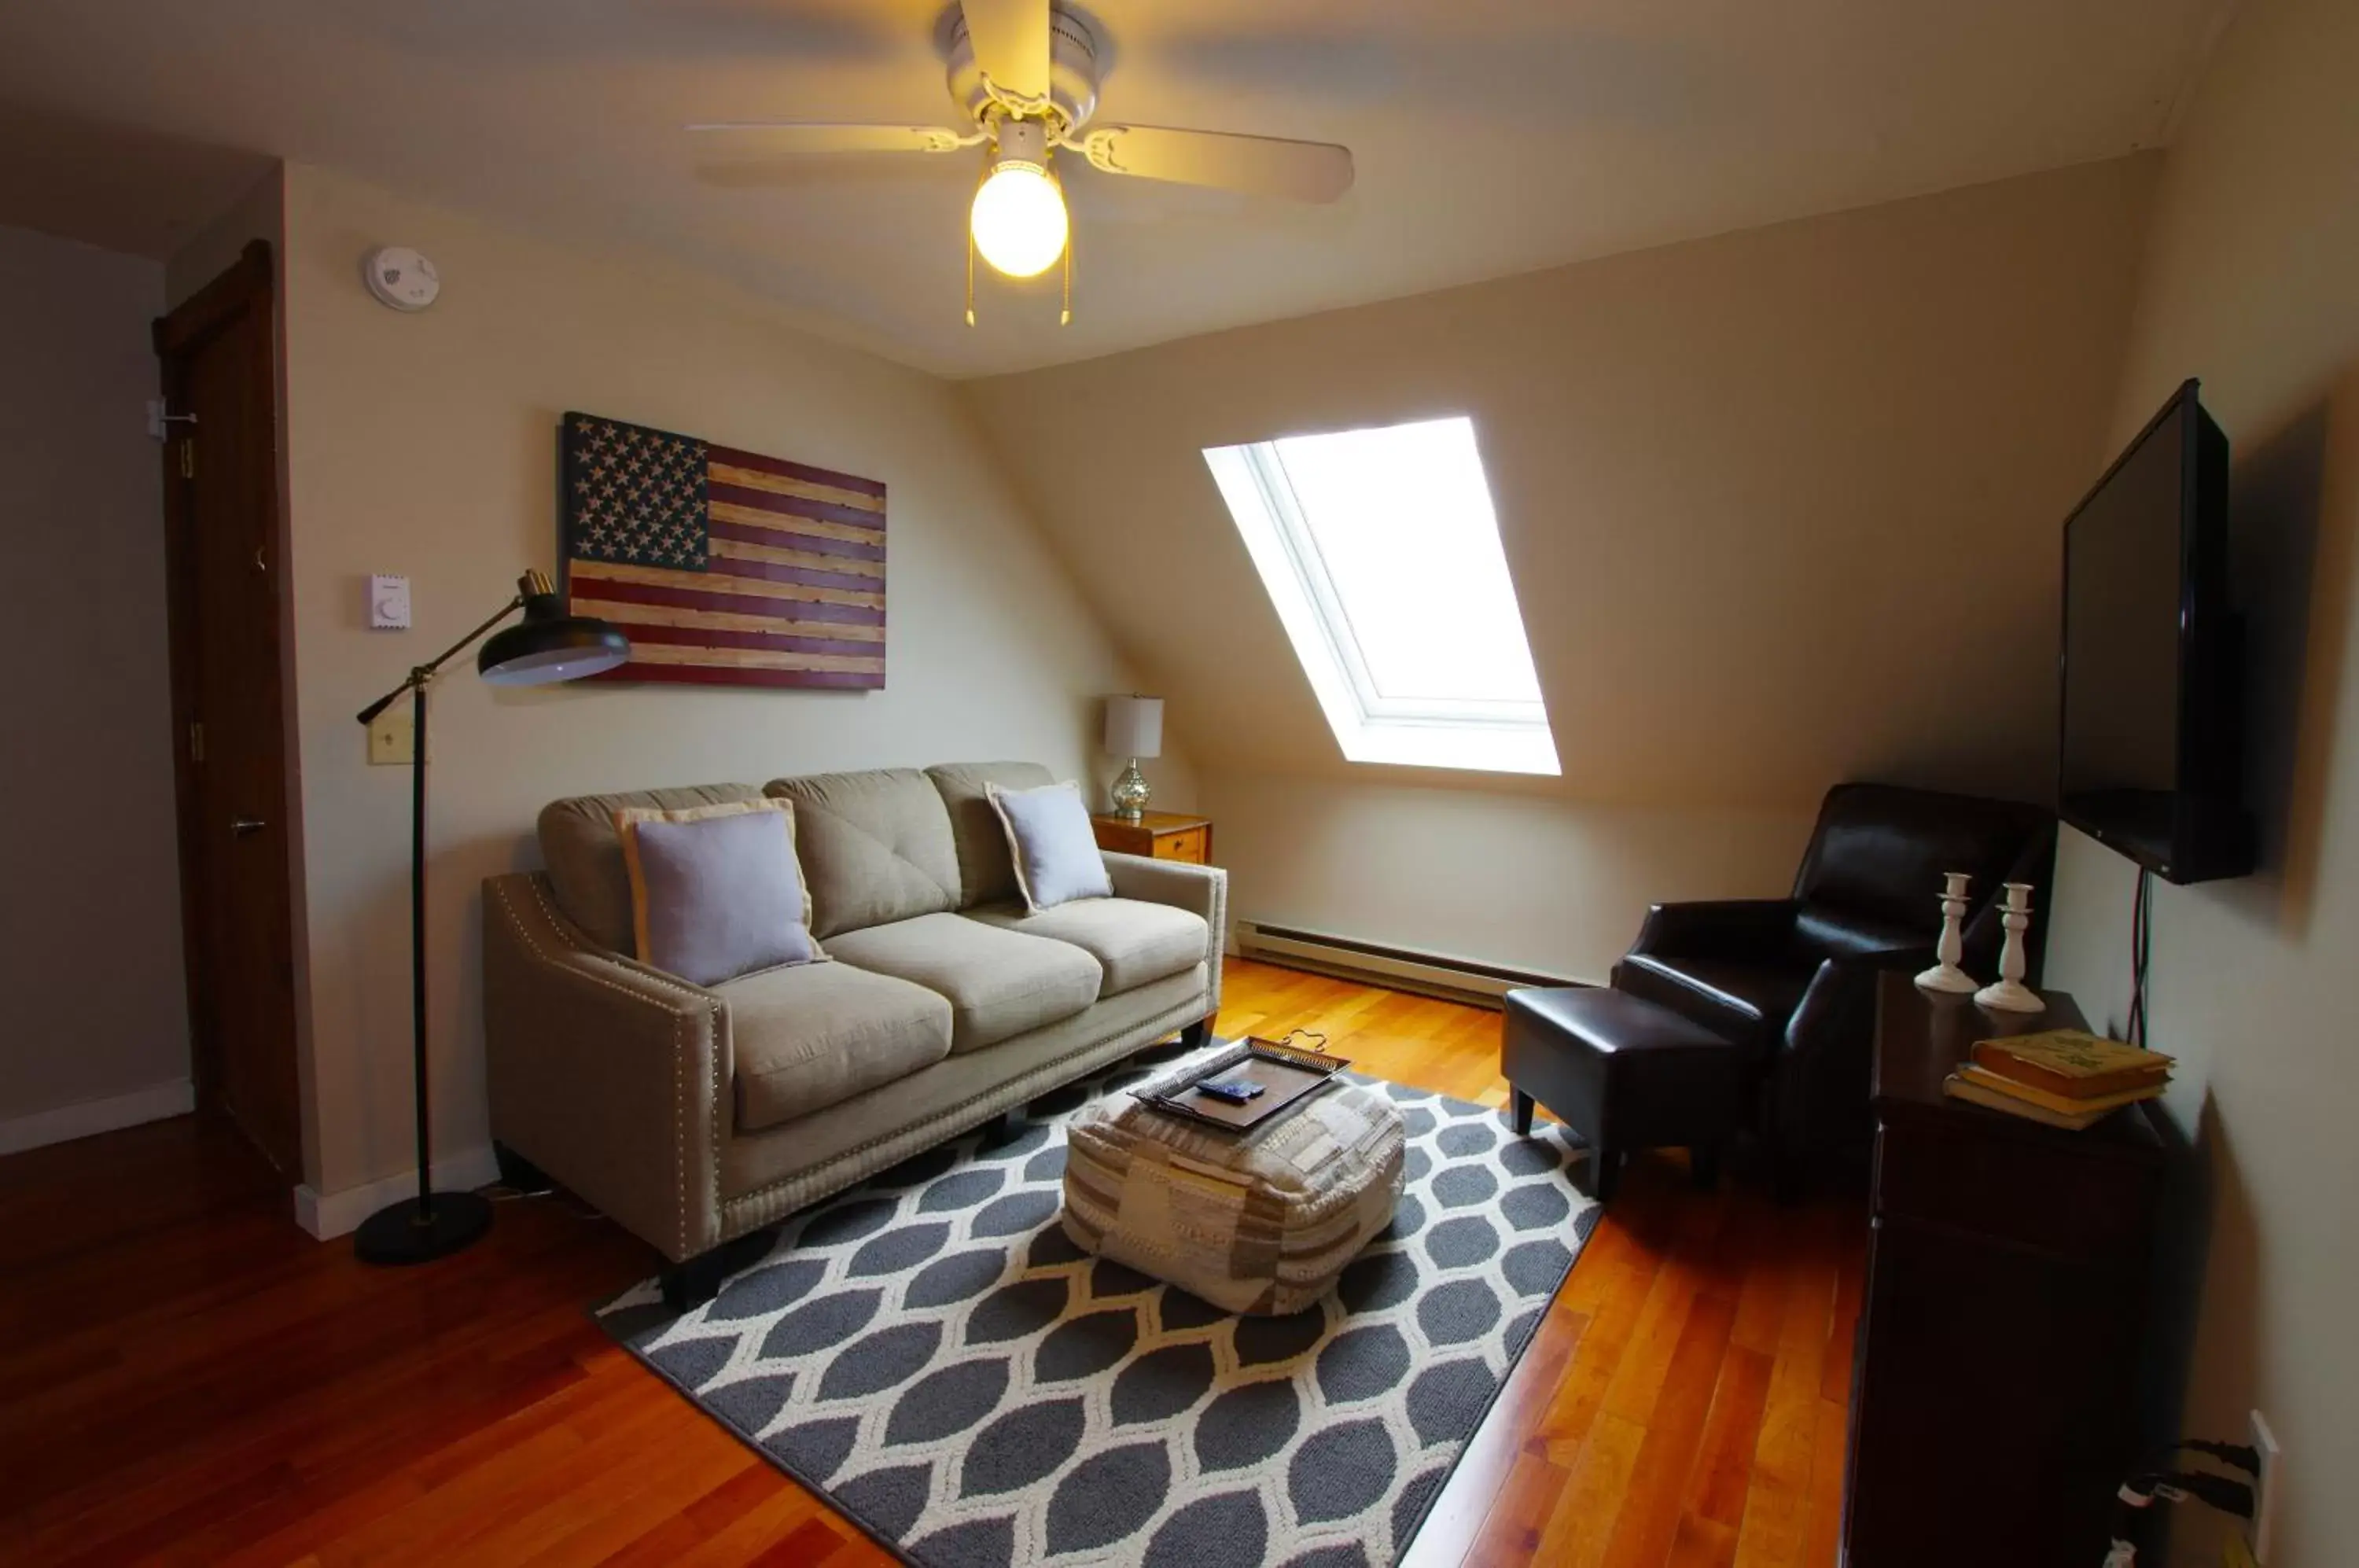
<point x="246" y="827"/>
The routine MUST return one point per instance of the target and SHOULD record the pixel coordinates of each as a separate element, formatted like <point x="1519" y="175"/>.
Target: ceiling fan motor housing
<point x="1072" y="76"/>
<point x="1022" y="141"/>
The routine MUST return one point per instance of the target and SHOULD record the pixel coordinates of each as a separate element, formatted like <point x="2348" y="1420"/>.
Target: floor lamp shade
<point x="548" y="645"/>
<point x="1134" y="726"/>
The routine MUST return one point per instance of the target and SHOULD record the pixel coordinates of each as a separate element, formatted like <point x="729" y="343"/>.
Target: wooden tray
<point x="1285" y="1073"/>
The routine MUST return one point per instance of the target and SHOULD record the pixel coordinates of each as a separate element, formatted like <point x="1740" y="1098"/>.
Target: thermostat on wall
<point x="401" y="278"/>
<point x="389" y="604"/>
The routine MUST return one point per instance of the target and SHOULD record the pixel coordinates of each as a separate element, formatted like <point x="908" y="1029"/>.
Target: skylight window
<point x="1381" y="554"/>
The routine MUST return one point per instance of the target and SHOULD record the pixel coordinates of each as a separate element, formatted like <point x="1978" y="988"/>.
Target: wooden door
<point x="220" y="488"/>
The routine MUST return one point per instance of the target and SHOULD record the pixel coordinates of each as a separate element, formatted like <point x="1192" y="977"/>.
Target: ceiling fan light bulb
<point x="1018" y="220"/>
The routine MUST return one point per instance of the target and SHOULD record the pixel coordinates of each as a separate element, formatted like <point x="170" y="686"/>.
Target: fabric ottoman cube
<point x="1261" y="1221"/>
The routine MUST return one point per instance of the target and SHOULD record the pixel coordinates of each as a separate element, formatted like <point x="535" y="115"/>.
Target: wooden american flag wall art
<point x="722" y="566"/>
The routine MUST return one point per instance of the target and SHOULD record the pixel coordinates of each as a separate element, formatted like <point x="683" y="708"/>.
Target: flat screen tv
<point x="2152" y="744"/>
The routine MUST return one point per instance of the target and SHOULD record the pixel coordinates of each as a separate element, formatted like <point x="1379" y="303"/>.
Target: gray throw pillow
<point x="1056" y="850"/>
<point x="716" y="891"/>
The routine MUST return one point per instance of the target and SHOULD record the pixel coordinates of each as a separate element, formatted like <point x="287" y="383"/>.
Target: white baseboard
<point x="331" y="1214"/>
<point x="153" y="1104"/>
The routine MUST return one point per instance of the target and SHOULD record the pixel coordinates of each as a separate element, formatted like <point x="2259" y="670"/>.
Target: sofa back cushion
<point x="584" y="855"/>
<point x="876" y="846"/>
<point x="986" y="870"/>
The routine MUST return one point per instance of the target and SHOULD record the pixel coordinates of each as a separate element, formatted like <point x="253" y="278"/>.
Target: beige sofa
<point x="692" y="1115"/>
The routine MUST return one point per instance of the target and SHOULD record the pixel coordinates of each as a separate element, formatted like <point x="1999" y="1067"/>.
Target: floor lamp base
<point x="399" y="1235"/>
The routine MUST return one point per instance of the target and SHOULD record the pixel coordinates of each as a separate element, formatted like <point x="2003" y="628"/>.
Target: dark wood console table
<point x="1993" y="1399"/>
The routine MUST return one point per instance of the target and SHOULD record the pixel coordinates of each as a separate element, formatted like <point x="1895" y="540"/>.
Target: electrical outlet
<point x="393" y="737"/>
<point x="2264" y="1488"/>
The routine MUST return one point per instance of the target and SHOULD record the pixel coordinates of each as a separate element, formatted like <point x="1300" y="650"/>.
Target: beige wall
<point x="89" y="915"/>
<point x="2252" y="284"/>
<point x="1521" y="880"/>
<point x="1781" y="508"/>
<point x="425" y="444"/>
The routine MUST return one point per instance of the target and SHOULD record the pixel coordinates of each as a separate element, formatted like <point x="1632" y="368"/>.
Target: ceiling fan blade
<point x="1011" y="44"/>
<point x="794" y="136"/>
<point x="1264" y="166"/>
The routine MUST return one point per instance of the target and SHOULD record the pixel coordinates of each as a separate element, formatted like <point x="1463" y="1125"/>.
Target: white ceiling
<point x="1492" y="136"/>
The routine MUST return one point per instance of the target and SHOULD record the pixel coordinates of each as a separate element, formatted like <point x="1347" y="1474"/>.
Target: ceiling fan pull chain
<point x="970" y="277"/>
<point x="1064" y="316"/>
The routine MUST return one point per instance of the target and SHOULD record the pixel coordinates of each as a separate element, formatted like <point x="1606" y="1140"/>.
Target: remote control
<point x="1236" y="1091"/>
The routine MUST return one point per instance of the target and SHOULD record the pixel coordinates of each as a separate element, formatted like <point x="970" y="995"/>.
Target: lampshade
<point x="1134" y="726"/>
<point x="548" y="645"/>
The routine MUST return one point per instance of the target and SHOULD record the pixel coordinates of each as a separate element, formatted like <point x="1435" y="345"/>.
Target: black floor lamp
<point x="548" y="646"/>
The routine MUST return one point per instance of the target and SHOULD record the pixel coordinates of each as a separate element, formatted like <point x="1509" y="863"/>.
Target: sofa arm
<point x="1201" y="890"/>
<point x="610" y="1076"/>
<point x="1719" y="928"/>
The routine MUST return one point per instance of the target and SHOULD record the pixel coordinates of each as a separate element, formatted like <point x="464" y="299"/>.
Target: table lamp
<point x="548" y="645"/>
<point x="1134" y="728"/>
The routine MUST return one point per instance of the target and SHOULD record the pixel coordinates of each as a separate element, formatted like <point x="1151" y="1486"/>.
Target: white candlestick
<point x="2009" y="994"/>
<point x="1946" y="975"/>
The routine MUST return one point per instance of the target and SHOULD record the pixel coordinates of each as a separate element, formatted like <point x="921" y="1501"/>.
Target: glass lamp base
<point x="1130" y="792"/>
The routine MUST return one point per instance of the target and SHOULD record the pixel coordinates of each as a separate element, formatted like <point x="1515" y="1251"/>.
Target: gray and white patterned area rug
<point x="932" y="1355"/>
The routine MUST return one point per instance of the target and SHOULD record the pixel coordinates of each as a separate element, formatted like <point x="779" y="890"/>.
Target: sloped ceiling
<point x="1781" y="508"/>
<point x="1493" y="136"/>
<point x="114" y="186"/>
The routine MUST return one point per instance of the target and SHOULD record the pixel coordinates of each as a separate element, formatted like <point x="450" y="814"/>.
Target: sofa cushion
<point x="876" y="846"/>
<point x="810" y="1036"/>
<point x="715" y="892"/>
<point x="986" y="871"/>
<point x="1133" y="941"/>
<point x="585" y="857"/>
<point x="999" y="983"/>
<point x="767" y="1175"/>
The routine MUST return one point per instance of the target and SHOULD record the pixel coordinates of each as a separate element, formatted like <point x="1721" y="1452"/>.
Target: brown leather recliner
<point x="1793" y="980"/>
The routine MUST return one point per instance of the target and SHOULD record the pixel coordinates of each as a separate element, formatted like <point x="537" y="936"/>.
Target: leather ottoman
<point x="1624" y="1073"/>
<point x="1261" y="1221"/>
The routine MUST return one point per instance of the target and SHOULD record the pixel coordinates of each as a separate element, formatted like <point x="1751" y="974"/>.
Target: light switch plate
<point x="2265" y="1486"/>
<point x="393" y="737"/>
<point x="389" y="604"/>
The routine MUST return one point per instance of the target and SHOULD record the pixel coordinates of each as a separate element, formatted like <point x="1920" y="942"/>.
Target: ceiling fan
<point x="1025" y="72"/>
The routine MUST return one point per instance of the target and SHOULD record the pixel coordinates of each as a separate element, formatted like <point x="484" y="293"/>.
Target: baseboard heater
<point x="1404" y="969"/>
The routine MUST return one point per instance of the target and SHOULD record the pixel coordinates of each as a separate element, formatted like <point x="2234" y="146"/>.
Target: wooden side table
<point x="1163" y="835"/>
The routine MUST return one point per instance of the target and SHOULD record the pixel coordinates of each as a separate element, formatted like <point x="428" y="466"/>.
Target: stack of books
<point x="2062" y="1078"/>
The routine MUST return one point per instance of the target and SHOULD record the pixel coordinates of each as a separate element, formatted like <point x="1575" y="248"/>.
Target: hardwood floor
<point x="186" y="1377"/>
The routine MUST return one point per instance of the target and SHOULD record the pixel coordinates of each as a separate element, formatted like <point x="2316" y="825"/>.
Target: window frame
<point x="1475" y="734"/>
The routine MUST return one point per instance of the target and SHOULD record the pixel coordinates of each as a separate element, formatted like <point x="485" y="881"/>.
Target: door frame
<point x="247" y="286"/>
